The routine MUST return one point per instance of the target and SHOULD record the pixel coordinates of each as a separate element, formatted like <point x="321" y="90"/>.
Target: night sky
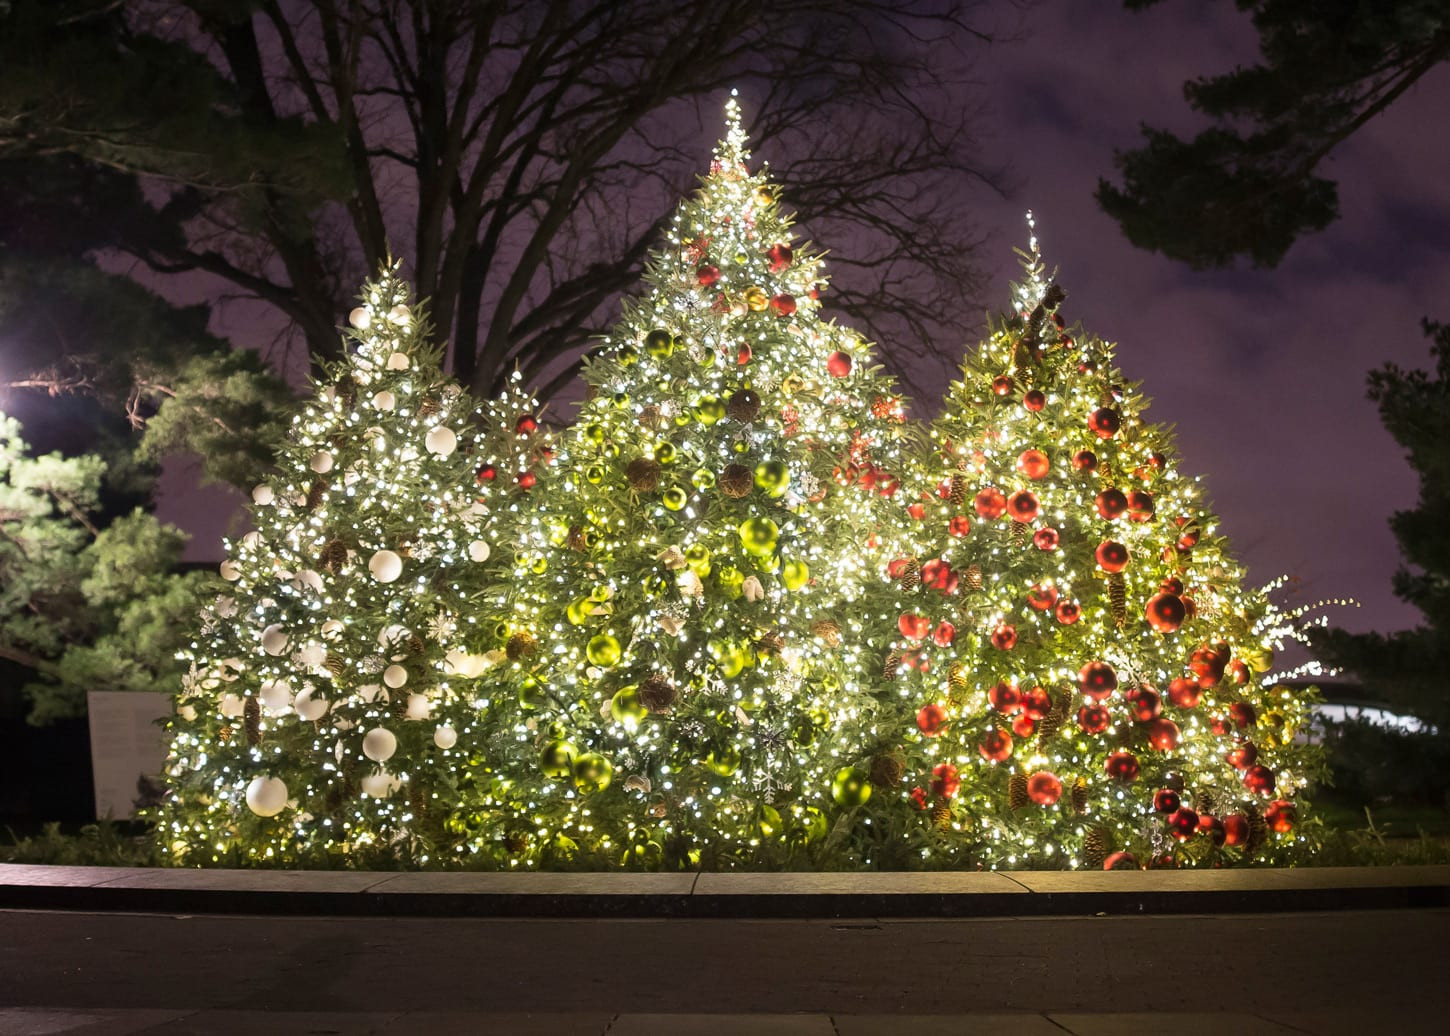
<point x="1262" y="372"/>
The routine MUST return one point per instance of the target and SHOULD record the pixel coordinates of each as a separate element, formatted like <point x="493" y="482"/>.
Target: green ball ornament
<point x="703" y="478"/>
<point x="594" y="433"/>
<point x="723" y="761"/>
<point x="709" y="410"/>
<point x="666" y="453"/>
<point x="603" y="650"/>
<point x="731" y="580"/>
<point x="697" y="556"/>
<point x="621" y="400"/>
<point x="772" y="476"/>
<point x="600" y="594"/>
<point x="578" y="612"/>
<point x="675" y="498"/>
<point x="851" y="787"/>
<point x="768" y="821"/>
<point x="594" y="474"/>
<point x="592" y="772"/>
<point x="532" y="694"/>
<point x="625" y="707"/>
<point x="628" y="356"/>
<point x="795" y="574"/>
<point x="759" y="536"/>
<point x="659" y="343"/>
<point x="556" y="758"/>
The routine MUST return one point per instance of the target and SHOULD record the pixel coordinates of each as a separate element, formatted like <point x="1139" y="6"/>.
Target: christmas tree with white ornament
<point x="689" y="676"/>
<point x="330" y="695"/>
<point x="1082" y="667"/>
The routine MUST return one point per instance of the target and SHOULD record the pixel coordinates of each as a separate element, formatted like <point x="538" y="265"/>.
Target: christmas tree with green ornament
<point x="689" y="678"/>
<point x="1081" y="665"/>
<point x="331" y="689"/>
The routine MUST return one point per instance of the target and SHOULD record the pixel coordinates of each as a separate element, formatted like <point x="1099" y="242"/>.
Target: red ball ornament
<point x="707" y="274"/>
<point x="1033" y="463"/>
<point x="1187" y="542"/>
<point x="944" y="634"/>
<point x="1235" y="829"/>
<point x="938" y="575"/>
<point x="1023" y="725"/>
<point x="1112" y="556"/>
<point x="1157" y="461"/>
<point x="526" y="479"/>
<point x="913" y="626"/>
<point x="1237" y="672"/>
<point x="1120" y="861"/>
<point x="1036" y="703"/>
<point x="1184" y="693"/>
<point x="1104" y="422"/>
<point x="1207" y="664"/>
<point x="1145" y="703"/>
<point x="1165" y="612"/>
<point x="1213" y="827"/>
<point x="944" y="780"/>
<point x="1243" y="715"/>
<point x="959" y="525"/>
<point x="1045" y="539"/>
<point x="1041" y="598"/>
<point x="1259" y="779"/>
<point x="838" y="364"/>
<point x="1171" y="585"/>
<point x="1140" y="505"/>
<point x="779" y="256"/>
<point x="1002" y="385"/>
<point x="487" y="473"/>
<point x="1044" y="788"/>
<point x="1022" y="506"/>
<point x="1093" y="719"/>
<point x="1122" y="766"/>
<point x="1034" y="400"/>
<point x="1242" y="756"/>
<point x="743" y="355"/>
<point x="932" y="719"/>
<point x="1004" y="637"/>
<point x="1111" y="503"/>
<point x="990" y="503"/>
<point x="1163" y="734"/>
<point x="526" y="425"/>
<point x="1280" y="816"/>
<point x="1219" y="726"/>
<point x="1183" y="824"/>
<point x="783" y="304"/>
<point x="1097" y="680"/>
<point x="1005" y="697"/>
<point x="996" y="746"/>
<point x="1067" y="612"/>
<point x="1166" y="800"/>
<point x="1084" y="460"/>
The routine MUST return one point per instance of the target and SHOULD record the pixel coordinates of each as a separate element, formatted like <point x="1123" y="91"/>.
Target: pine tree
<point x="1084" y="660"/>
<point x="330" y="696"/>
<point x="687" y="679"/>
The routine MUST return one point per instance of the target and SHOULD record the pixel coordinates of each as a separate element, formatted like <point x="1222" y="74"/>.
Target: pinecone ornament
<point x="1118" y="599"/>
<point x="957" y="682"/>
<point x="1205" y="802"/>
<point x="315" y="493"/>
<point x="1095" y="848"/>
<point x="941" y="816"/>
<point x="574" y="539"/>
<point x="911" y="575"/>
<point x="1017" y="797"/>
<point x="890" y="665"/>
<point x="1258" y="831"/>
<point x="333" y="556"/>
<point x="959" y="489"/>
<point x="1053" y="721"/>
<point x="973" y="577"/>
<point x="252" y="722"/>
<point x="1079" y="796"/>
<point x="1021" y="534"/>
<point x="334" y="664"/>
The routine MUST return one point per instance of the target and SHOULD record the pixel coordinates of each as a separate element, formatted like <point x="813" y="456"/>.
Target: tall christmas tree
<point x="330" y="698"/>
<point x="1081" y="661"/>
<point x="687" y="680"/>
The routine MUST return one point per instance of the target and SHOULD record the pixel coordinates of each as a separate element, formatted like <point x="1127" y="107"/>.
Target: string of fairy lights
<point x="740" y="611"/>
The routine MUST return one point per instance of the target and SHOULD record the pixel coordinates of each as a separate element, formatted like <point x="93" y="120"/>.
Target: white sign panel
<point x="128" y="749"/>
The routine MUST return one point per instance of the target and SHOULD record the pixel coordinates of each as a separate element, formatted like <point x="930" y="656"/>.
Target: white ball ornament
<point x="275" y="696"/>
<point x="418" y="707"/>
<point x="307" y="579"/>
<point x="230" y="571"/>
<point x="274" y="639"/>
<point x="267" y="796"/>
<point x="380" y="785"/>
<point x="370" y="692"/>
<point x="441" y="441"/>
<point x="399" y="362"/>
<point x="332" y="629"/>
<point x="360" y="318"/>
<point x="186" y="712"/>
<point x="379" y="744"/>
<point x="479" y="550"/>
<point x="311" y="706"/>
<point x="252" y="539"/>
<point x="400" y="314"/>
<point x="385" y="566"/>
<point x="322" y="462"/>
<point x="445" y="736"/>
<point x="385" y="400"/>
<point x="263" y="495"/>
<point x="232" y="706"/>
<point x="395" y="676"/>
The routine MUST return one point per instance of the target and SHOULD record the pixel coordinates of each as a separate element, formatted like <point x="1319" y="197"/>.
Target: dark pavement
<point x="1378" y="971"/>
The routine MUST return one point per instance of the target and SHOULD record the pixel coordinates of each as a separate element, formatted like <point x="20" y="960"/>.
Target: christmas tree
<point x="330" y="695"/>
<point x="1081" y="662"/>
<point x="688" y="679"/>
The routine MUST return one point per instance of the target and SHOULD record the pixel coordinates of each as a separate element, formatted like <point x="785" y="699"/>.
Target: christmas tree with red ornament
<point x="1081" y="664"/>
<point x="687" y="679"/>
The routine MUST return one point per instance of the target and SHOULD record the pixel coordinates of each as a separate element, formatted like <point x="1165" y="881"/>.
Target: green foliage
<point x="103" y="844"/>
<point x="1246" y="186"/>
<point x="85" y="604"/>
<point x="1408" y="668"/>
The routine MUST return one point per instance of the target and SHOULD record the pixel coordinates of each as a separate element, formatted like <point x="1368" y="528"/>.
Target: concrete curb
<point x="745" y="895"/>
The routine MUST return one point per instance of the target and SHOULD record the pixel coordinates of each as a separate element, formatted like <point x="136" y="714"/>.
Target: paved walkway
<point x="1377" y="971"/>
